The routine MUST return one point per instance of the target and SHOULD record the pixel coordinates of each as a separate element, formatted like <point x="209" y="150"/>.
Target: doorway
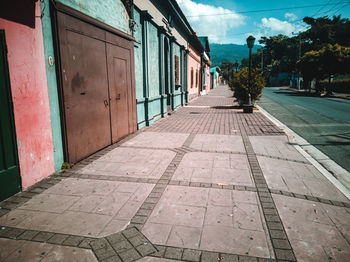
<point x="10" y="180"/>
<point x="166" y="72"/>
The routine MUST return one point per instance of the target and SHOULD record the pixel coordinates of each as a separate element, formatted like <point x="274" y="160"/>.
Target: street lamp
<point x="248" y="107"/>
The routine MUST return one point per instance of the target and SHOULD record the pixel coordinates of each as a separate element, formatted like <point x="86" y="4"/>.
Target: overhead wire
<point x="263" y="10"/>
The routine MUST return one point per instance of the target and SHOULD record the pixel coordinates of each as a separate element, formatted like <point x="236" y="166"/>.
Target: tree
<point x="324" y="31"/>
<point x="325" y="63"/>
<point x="227" y="69"/>
<point x="239" y="85"/>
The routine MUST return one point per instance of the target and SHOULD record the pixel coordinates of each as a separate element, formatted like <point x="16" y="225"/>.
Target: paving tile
<point x="186" y="237"/>
<point x="7" y="246"/>
<point x="73" y="241"/>
<point x="157" y="140"/>
<point x="114" y="226"/>
<point x="232" y="240"/>
<point x="129" y="255"/>
<point x="157" y="233"/>
<point x="247" y="216"/>
<point x="173" y="253"/>
<point x="219" y="215"/>
<point x="155" y="259"/>
<point x="82" y="187"/>
<point x="30" y="251"/>
<point x="57" y="239"/>
<point x="191" y="255"/>
<point x="185" y="196"/>
<point x="43" y="236"/>
<point x="165" y="213"/>
<point x="146" y="249"/>
<point x="215" y="142"/>
<point x="50" y="203"/>
<point x="209" y="256"/>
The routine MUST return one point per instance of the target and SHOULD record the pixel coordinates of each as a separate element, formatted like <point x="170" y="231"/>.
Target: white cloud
<point x="213" y="24"/>
<point x="273" y="26"/>
<point x="290" y="17"/>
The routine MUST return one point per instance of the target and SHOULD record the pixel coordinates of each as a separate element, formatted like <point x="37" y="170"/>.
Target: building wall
<point x="149" y="61"/>
<point x="158" y="17"/>
<point x="207" y="80"/>
<point x="52" y="87"/>
<point x="111" y="12"/>
<point x="30" y="99"/>
<point x="194" y="63"/>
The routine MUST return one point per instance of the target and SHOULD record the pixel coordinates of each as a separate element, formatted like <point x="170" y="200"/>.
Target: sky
<point x="232" y="21"/>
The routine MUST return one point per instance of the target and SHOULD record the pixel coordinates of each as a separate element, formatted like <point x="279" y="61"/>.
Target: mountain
<point x="229" y="52"/>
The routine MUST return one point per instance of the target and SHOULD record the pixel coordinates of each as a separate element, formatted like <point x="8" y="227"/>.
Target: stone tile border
<point x="279" y="239"/>
<point x="285" y="159"/>
<point x="151" y="201"/>
<point x="127" y="245"/>
<point x="310" y="198"/>
<point x="46" y="237"/>
<point x="197" y="255"/>
<point x="213" y="185"/>
<point x="22" y="197"/>
<point x="280" y="242"/>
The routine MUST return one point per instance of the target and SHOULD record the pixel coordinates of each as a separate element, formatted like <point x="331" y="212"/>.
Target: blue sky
<point x="207" y="17"/>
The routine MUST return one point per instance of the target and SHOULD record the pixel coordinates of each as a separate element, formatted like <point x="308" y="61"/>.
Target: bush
<point x="338" y="86"/>
<point x="239" y="85"/>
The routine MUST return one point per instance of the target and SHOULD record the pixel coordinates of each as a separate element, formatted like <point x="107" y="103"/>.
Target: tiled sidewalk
<point x="207" y="183"/>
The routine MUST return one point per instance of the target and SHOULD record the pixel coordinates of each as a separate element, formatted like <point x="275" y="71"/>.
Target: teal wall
<point x="111" y="12"/>
<point x="52" y="87"/>
<point x="138" y="56"/>
<point x="153" y="61"/>
<point x="139" y="83"/>
<point x="139" y="75"/>
<point x="213" y="70"/>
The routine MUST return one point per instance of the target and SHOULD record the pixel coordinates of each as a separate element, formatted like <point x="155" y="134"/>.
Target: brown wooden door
<point x="85" y="89"/>
<point x="98" y="95"/>
<point x="120" y="91"/>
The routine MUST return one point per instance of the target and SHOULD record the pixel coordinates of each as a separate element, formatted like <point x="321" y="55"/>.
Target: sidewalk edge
<point x="298" y="142"/>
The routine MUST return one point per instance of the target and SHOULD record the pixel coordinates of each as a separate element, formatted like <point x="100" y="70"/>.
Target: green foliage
<point x="239" y="85"/>
<point x="328" y="61"/>
<point x="341" y="86"/>
<point x="324" y="31"/>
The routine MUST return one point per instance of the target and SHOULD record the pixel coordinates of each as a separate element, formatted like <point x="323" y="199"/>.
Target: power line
<point x="264" y="10"/>
<point x="321" y="8"/>
<point x="340" y="9"/>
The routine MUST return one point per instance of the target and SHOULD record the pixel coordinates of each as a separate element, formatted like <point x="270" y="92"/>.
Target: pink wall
<point x="30" y="98"/>
<point x="208" y="83"/>
<point x="193" y="62"/>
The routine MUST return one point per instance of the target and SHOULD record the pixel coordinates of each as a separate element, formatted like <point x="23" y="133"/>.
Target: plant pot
<point x="248" y="108"/>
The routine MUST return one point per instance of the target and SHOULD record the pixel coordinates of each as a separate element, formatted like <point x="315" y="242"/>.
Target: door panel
<point x="85" y="93"/>
<point x="120" y="93"/>
<point x="10" y="182"/>
<point x="97" y="93"/>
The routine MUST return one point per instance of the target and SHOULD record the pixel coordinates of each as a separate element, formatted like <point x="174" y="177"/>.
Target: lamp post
<point x="248" y="108"/>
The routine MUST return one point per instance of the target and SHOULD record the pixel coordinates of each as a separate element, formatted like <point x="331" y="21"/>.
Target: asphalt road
<point x="323" y="122"/>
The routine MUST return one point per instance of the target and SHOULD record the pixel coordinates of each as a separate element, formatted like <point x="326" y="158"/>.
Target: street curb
<point x="298" y="91"/>
<point x="335" y="174"/>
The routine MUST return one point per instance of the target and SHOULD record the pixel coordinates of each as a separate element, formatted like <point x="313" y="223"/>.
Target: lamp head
<point x="250" y="41"/>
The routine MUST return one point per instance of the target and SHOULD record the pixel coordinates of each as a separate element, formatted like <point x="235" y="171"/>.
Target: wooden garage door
<point x="97" y="87"/>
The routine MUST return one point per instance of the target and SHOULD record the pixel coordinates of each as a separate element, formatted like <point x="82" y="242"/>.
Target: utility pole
<point x="299" y="57"/>
<point x="262" y="61"/>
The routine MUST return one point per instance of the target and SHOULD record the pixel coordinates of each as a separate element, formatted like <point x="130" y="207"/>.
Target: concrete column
<point x="145" y="17"/>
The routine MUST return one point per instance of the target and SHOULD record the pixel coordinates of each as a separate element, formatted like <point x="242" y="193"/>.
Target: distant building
<point x="206" y="63"/>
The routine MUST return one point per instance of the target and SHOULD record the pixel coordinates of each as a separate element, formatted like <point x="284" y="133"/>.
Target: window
<point x="191" y="77"/>
<point x="177" y="70"/>
<point x="197" y="78"/>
